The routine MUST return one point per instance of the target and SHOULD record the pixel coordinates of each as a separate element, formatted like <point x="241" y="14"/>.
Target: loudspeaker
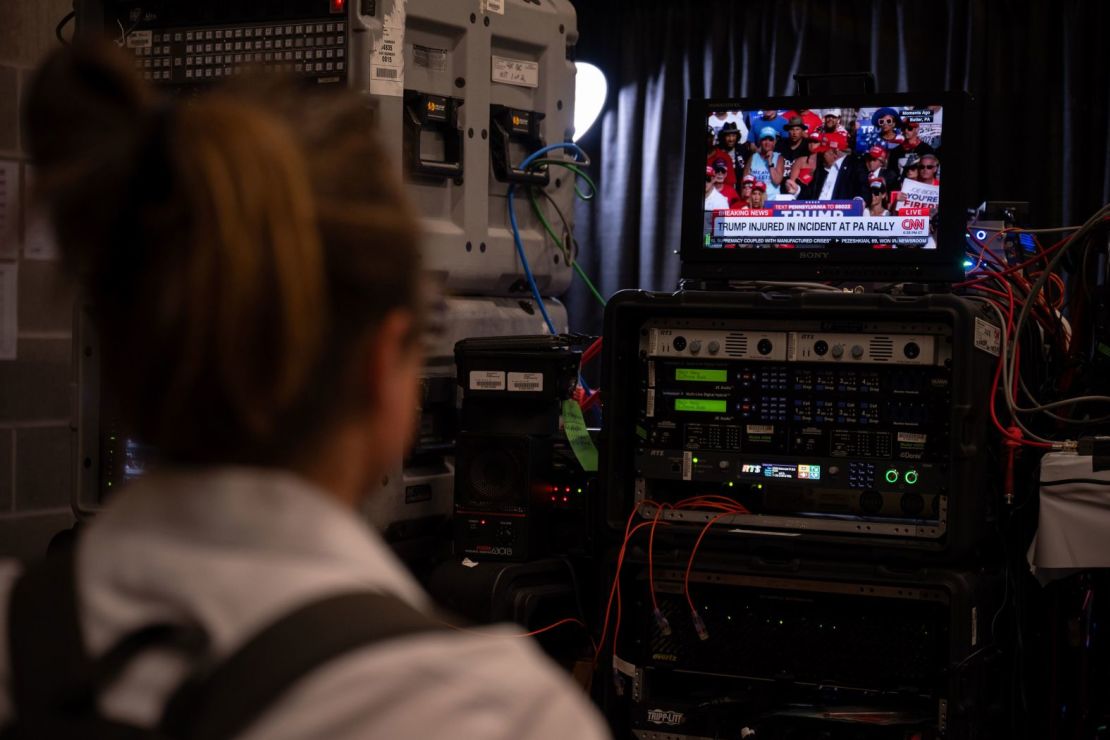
<point x="496" y="495"/>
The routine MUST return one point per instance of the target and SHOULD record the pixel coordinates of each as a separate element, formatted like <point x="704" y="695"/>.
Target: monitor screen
<point x="852" y="190"/>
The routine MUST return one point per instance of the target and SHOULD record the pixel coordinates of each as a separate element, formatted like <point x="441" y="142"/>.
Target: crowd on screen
<point x="832" y="154"/>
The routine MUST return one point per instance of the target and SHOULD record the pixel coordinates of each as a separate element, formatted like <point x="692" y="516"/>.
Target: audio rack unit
<point x="828" y="420"/>
<point x="869" y="650"/>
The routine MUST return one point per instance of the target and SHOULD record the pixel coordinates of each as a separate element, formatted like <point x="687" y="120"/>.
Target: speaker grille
<point x="492" y="473"/>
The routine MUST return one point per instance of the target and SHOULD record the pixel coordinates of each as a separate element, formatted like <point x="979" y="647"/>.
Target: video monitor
<point x="855" y="187"/>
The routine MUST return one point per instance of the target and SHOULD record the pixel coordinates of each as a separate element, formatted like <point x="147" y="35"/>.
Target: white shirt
<point x="731" y="117"/>
<point x="235" y="549"/>
<point x="715" y="201"/>
<point x="830" y="181"/>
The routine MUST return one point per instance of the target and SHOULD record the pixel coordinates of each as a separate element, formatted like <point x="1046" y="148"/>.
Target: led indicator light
<point x="910" y="477"/>
<point x="891" y="476"/>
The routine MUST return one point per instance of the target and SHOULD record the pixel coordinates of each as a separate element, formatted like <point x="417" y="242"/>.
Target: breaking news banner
<point x="820" y="222"/>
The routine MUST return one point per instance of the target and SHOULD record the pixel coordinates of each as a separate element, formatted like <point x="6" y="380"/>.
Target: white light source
<point x="590" y="89"/>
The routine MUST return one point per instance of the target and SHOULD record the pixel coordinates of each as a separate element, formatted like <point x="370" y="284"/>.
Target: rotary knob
<point x="837" y="351"/>
<point x="714" y="347"/>
<point x="695" y="346"/>
<point x="857" y="351"/>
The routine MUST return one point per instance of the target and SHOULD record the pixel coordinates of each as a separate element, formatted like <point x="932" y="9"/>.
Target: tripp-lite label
<point x="487" y="380"/>
<point x="526" y="382"/>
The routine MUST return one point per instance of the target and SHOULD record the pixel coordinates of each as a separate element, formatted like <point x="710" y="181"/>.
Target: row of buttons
<point x="254" y="32"/>
<point x="218" y="72"/>
<point x="222" y="59"/>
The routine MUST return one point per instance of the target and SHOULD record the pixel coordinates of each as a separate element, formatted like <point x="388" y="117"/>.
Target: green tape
<point x="579" y="436"/>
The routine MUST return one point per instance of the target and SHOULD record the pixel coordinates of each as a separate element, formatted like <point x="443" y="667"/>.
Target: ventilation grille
<point x="736" y="344"/>
<point x="882" y="349"/>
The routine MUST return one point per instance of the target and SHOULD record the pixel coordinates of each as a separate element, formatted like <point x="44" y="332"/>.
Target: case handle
<point x="436" y="113"/>
<point x="508" y="125"/>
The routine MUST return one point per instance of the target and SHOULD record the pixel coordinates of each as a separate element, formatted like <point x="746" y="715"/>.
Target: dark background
<point x="1038" y="70"/>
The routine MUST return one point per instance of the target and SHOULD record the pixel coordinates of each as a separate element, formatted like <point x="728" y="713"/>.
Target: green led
<point x="910" y="477"/>
<point x="731" y="484"/>
<point x="580" y="490"/>
<point x="891" y="476"/>
<point x="695" y="460"/>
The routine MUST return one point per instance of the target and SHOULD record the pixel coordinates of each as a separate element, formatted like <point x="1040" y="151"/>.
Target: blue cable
<point x="516" y="228"/>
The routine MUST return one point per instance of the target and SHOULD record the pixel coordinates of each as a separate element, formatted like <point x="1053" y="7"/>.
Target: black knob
<point x="764" y="346"/>
<point x="820" y="347"/>
<point x="911" y="350"/>
<point x="679" y="343"/>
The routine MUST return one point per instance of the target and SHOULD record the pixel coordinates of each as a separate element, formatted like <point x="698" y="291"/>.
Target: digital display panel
<point x="827" y="187"/>
<point x="788" y="471"/>
<point x="831" y="177"/>
<point x="702" y="375"/>
<point x="779" y="470"/>
<point x="705" y="405"/>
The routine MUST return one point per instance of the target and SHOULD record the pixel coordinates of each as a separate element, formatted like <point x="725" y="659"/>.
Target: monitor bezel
<point x="943" y="264"/>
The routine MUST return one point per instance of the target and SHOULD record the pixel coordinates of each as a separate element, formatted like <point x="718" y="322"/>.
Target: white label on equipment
<point x="495" y="6"/>
<point x="140" y="39"/>
<point x="427" y="56"/>
<point x="387" y="60"/>
<point x="624" y="666"/>
<point x="988" y="337"/>
<point x="761" y="429"/>
<point x="651" y="374"/>
<point x="912" y="438"/>
<point x="650" y="402"/>
<point x="687" y="465"/>
<point x="519" y="72"/>
<point x="526" y="382"/>
<point x="487" y="380"/>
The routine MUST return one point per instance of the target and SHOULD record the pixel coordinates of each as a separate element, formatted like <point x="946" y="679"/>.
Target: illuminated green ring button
<point x="891" y="476"/>
<point x="910" y="477"/>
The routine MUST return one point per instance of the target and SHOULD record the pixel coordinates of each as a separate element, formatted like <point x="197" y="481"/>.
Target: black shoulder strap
<point x="49" y="663"/>
<point x="223" y="702"/>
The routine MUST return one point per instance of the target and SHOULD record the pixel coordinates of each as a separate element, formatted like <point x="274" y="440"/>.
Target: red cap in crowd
<point x="747" y="180"/>
<point x="876" y="152"/>
<point x="760" y="185"/>
<point x="835" y="141"/>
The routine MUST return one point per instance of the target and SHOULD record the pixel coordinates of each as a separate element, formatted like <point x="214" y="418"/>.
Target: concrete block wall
<point x="37" y="443"/>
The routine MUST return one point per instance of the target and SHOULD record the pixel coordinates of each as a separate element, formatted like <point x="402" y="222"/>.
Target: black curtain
<point x="1039" y="71"/>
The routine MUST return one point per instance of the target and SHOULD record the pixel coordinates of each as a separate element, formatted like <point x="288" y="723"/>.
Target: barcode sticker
<point x="387" y="60"/>
<point x="495" y="6"/>
<point x="487" y="380"/>
<point x="526" y="382"/>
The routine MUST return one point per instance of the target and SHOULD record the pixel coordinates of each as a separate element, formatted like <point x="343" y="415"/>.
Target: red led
<point x="337" y="6"/>
<point x="565" y="499"/>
